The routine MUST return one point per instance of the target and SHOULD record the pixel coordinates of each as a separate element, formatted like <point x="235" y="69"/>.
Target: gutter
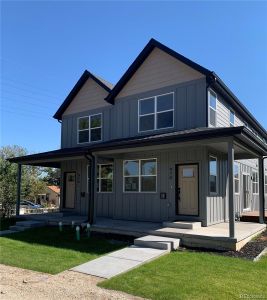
<point x="91" y="158"/>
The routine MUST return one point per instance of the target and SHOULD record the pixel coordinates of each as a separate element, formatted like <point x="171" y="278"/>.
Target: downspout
<point x="91" y="158"/>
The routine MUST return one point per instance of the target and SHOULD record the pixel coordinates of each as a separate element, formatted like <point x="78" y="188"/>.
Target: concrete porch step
<point x="182" y="224"/>
<point x="158" y="242"/>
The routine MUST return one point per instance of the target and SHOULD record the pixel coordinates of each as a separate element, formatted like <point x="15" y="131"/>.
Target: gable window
<point x="104" y="178"/>
<point x="212" y="108"/>
<point x="156" y="112"/>
<point x="140" y="175"/>
<point x="232" y="118"/>
<point x="236" y="178"/>
<point x="213" y="174"/>
<point x="90" y="129"/>
<point x="255" y="182"/>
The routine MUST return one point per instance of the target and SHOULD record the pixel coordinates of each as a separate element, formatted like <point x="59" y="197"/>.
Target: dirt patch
<point x="23" y="284"/>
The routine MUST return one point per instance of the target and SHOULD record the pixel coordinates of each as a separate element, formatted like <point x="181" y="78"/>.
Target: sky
<point x="46" y="46"/>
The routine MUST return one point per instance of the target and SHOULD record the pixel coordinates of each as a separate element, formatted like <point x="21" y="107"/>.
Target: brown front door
<point x="70" y="190"/>
<point x="187" y="190"/>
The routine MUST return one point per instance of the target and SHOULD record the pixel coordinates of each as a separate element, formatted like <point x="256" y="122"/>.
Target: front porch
<point x="211" y="237"/>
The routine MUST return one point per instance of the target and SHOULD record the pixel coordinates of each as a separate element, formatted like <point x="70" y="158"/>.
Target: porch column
<point x="261" y="190"/>
<point x="18" y="189"/>
<point x="230" y="174"/>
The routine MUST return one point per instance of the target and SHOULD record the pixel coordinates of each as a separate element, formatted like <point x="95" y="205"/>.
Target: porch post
<point x="261" y="190"/>
<point x="231" y="189"/>
<point x="18" y="189"/>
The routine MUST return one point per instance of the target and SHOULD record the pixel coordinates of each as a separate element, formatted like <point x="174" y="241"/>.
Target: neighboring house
<point x="169" y="141"/>
<point x="51" y="197"/>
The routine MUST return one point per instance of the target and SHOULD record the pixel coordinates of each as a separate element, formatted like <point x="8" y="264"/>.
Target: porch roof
<point x="53" y="158"/>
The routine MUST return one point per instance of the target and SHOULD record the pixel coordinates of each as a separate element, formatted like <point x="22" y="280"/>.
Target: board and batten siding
<point x="158" y="70"/>
<point x="121" y="120"/>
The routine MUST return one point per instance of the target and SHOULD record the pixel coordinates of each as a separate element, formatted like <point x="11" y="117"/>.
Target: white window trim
<point x="100" y="178"/>
<point x="89" y="128"/>
<point x="237" y="164"/>
<point x="255" y="182"/>
<point x="231" y="124"/>
<point x="209" y="107"/>
<point x="140" y="176"/>
<point x="155" y="113"/>
<point x="213" y="193"/>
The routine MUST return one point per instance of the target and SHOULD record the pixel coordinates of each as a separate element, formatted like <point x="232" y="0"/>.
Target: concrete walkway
<point x="119" y="261"/>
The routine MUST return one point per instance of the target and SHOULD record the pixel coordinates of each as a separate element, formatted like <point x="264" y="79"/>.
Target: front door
<point x="246" y="195"/>
<point x="187" y="190"/>
<point x="70" y="189"/>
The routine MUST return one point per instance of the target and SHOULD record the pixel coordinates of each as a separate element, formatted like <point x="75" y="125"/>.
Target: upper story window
<point x="156" y="112"/>
<point x="90" y="129"/>
<point x="255" y="182"/>
<point x="213" y="174"/>
<point x="140" y="175"/>
<point x="236" y="178"/>
<point x="212" y="108"/>
<point x="232" y="118"/>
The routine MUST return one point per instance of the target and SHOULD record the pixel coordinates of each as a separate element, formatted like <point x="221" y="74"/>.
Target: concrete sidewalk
<point x="119" y="261"/>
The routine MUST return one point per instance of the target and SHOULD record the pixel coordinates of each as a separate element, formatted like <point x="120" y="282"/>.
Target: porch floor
<point x="213" y="237"/>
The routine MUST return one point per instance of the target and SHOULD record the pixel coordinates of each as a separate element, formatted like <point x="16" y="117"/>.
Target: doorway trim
<point x="176" y="188"/>
<point x="64" y="190"/>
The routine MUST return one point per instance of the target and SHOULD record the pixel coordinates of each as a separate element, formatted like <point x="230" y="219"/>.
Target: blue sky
<point x="45" y="47"/>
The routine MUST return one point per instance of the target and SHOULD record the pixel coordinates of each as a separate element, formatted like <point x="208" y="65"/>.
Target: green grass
<point x="6" y="222"/>
<point x="194" y="275"/>
<point x="50" y="251"/>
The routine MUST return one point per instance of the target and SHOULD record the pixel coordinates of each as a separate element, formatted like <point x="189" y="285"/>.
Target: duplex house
<point x="169" y="141"/>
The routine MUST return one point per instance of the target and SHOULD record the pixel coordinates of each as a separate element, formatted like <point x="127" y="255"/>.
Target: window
<point x="105" y="178"/>
<point x="156" y="112"/>
<point x="255" y="182"/>
<point x="212" y="108"/>
<point x="90" y="129"/>
<point x="140" y="175"/>
<point x="265" y="185"/>
<point x="213" y="174"/>
<point x="232" y="118"/>
<point x="236" y="178"/>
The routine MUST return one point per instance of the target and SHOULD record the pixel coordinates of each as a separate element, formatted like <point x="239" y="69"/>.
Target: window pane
<point x="148" y="167"/>
<point x="147" y="106"/>
<point x="232" y="117"/>
<point x="236" y="186"/>
<point x="131" y="168"/>
<point x="95" y="134"/>
<point x="212" y="100"/>
<point x="164" y="102"/>
<point x="107" y="171"/>
<point x="95" y="121"/>
<point x="212" y="117"/>
<point x="84" y="136"/>
<point x="83" y="123"/>
<point x="131" y="184"/>
<point x="213" y="184"/>
<point x="213" y="166"/>
<point x="148" y="183"/>
<point x="188" y="172"/>
<point x="146" y="123"/>
<point x="165" y="119"/>
<point x="236" y="171"/>
<point x="106" y="185"/>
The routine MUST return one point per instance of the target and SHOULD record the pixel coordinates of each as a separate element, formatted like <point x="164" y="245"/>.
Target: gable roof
<point x="85" y="76"/>
<point x="142" y="57"/>
<point x="54" y="188"/>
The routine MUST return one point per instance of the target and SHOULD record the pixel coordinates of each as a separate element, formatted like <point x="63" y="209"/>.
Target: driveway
<point x="16" y="283"/>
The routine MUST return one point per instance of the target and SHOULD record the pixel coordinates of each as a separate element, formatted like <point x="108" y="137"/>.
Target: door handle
<point x="178" y="194"/>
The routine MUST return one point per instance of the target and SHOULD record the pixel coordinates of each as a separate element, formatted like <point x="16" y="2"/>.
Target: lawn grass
<point x="194" y="275"/>
<point x="6" y="222"/>
<point x="50" y="251"/>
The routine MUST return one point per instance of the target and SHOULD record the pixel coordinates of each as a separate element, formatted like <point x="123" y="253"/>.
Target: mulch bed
<point x="252" y="249"/>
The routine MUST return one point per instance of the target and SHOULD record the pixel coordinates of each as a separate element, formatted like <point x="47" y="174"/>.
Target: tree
<point x="52" y="176"/>
<point x="31" y="180"/>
